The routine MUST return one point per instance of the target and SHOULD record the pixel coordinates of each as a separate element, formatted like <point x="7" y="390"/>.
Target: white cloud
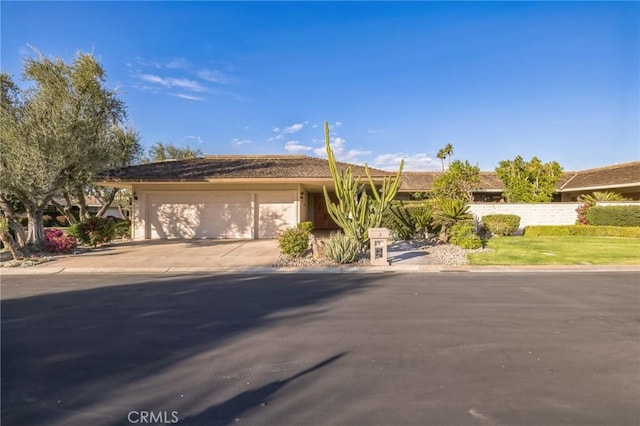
<point x="213" y="76"/>
<point x="374" y="131"/>
<point x="295" y="146"/>
<point x="185" y="96"/>
<point x="293" y="128"/>
<point x="338" y="123"/>
<point x="314" y="126"/>
<point x="239" y="142"/>
<point x="276" y="129"/>
<point x="415" y="162"/>
<point x="181" y="83"/>
<point x="342" y="154"/>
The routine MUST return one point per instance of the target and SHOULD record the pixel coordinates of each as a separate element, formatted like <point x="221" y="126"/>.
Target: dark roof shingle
<point x="233" y="167"/>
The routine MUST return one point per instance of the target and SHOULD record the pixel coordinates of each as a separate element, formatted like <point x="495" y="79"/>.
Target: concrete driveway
<point x="177" y="254"/>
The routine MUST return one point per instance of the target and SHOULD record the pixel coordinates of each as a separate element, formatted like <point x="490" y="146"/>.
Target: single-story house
<point x="228" y="196"/>
<point x="621" y="178"/>
<point x="259" y="196"/>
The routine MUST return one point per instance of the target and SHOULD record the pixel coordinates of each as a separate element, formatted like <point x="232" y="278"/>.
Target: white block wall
<point x="530" y="214"/>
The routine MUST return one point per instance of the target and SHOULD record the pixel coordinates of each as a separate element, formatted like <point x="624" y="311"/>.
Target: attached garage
<point x="219" y="214"/>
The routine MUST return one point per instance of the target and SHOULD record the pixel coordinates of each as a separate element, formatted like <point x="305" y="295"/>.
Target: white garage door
<point x="220" y="214"/>
<point x="276" y="212"/>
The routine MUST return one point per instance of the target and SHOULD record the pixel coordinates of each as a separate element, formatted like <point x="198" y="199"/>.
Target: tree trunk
<point x="107" y="202"/>
<point x="65" y="211"/>
<point x="82" y="203"/>
<point x="35" y="229"/>
<point x="12" y="221"/>
<point x="10" y="244"/>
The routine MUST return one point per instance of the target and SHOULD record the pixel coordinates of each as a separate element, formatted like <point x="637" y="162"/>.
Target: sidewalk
<point x="247" y="256"/>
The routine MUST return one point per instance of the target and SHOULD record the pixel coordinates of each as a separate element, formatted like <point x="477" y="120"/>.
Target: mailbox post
<point x="378" y="240"/>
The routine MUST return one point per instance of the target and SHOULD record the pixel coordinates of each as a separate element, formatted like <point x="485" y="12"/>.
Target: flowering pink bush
<point x="582" y="211"/>
<point x="57" y="241"/>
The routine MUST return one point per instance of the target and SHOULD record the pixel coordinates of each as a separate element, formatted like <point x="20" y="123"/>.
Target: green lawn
<point x="559" y="251"/>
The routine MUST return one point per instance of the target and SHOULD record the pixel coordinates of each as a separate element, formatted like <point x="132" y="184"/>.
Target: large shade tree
<point x="56" y="133"/>
<point x="528" y="181"/>
<point x="160" y="151"/>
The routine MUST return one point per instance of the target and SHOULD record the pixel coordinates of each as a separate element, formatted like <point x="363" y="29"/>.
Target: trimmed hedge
<point x="501" y="224"/>
<point x="581" y="230"/>
<point x="613" y="215"/>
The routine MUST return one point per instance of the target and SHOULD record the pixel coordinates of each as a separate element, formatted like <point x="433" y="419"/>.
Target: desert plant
<point x="295" y="241"/>
<point x="58" y="241"/>
<point x="463" y="234"/>
<point x="342" y="248"/>
<point x="93" y="231"/>
<point x="593" y="198"/>
<point x="408" y="220"/>
<point x="501" y="224"/>
<point x="447" y="213"/>
<point x="357" y="210"/>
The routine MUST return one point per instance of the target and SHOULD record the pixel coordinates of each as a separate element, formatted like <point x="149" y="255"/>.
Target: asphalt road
<point x="303" y="349"/>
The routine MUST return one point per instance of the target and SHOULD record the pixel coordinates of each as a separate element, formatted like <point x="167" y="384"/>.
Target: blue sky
<point x="558" y="80"/>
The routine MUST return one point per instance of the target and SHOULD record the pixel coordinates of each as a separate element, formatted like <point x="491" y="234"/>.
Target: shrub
<point x="581" y="230"/>
<point x="122" y="229"/>
<point x="582" y="210"/>
<point x="449" y="212"/>
<point x="613" y="216"/>
<point x="295" y="241"/>
<point x="94" y="231"/>
<point x="408" y="220"/>
<point x="62" y="220"/>
<point x="342" y="248"/>
<point x="501" y="224"/>
<point x="464" y="235"/>
<point x="58" y="241"/>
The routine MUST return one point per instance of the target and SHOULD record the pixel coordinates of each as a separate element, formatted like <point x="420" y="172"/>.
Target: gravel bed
<point x="444" y="254"/>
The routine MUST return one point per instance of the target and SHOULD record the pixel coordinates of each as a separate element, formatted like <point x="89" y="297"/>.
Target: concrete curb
<point x="320" y="270"/>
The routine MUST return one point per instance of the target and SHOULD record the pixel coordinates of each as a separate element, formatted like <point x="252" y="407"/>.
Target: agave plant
<point x="447" y="213"/>
<point x="592" y="199"/>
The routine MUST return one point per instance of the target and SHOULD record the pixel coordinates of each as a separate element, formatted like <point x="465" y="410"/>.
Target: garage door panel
<point x="200" y="215"/>
<point x="211" y="214"/>
<point x="175" y="220"/>
<point x="276" y="212"/>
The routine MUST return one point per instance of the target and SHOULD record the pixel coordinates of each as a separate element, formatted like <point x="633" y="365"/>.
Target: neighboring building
<point x="260" y="196"/>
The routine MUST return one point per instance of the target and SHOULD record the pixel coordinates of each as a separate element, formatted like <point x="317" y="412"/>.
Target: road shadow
<point x="71" y="350"/>
<point x="231" y="409"/>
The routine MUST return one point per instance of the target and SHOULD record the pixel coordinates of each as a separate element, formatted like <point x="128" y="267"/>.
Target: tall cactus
<point x="357" y="210"/>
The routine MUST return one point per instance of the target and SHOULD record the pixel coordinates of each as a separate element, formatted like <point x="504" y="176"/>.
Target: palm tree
<point x="441" y="156"/>
<point x="448" y="151"/>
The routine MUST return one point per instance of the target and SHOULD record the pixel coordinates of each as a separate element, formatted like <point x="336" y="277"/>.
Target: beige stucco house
<point x="228" y="196"/>
<point x="260" y="196"/>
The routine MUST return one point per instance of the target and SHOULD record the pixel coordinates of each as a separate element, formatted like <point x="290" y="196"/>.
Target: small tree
<point x="458" y="182"/>
<point x="168" y="151"/>
<point x="529" y="181"/>
<point x="357" y="210"/>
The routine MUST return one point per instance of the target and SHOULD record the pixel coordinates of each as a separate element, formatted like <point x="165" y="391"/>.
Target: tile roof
<point x="231" y="166"/>
<point x="618" y="174"/>
<point x="302" y="166"/>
